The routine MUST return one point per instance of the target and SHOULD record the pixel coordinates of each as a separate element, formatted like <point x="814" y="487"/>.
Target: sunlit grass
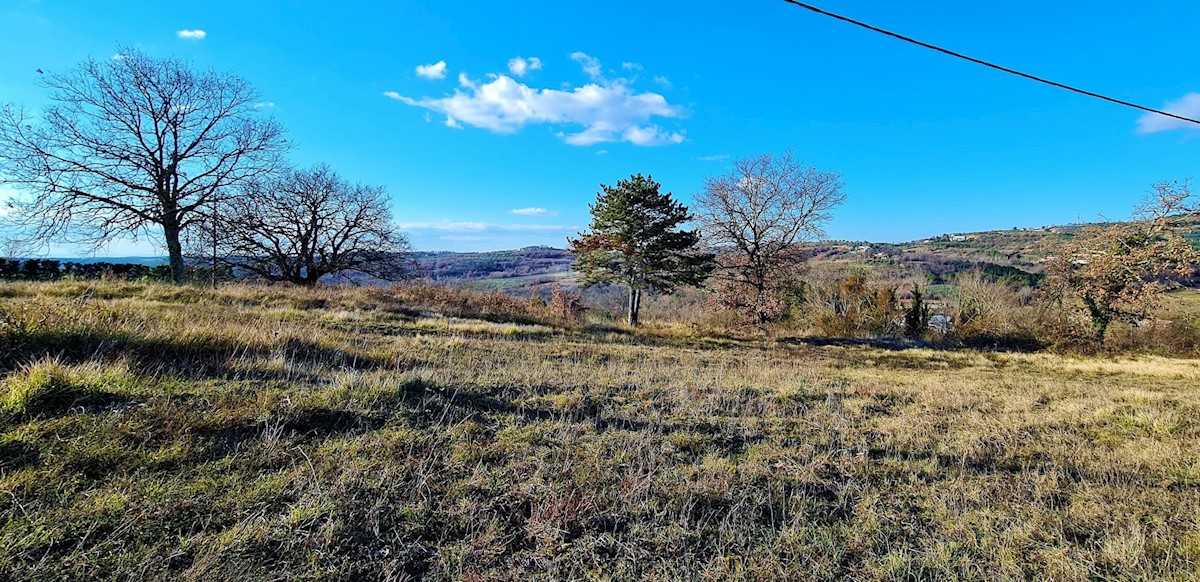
<point x="267" y="432"/>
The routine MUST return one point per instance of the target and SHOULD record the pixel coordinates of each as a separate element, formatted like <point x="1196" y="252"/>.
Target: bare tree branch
<point x="133" y="145"/>
<point x="305" y="224"/>
<point x="755" y="216"/>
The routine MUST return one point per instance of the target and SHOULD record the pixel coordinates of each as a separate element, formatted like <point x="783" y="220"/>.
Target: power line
<point x="987" y="64"/>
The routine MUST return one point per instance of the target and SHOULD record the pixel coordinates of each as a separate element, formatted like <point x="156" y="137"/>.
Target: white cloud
<point x="446" y="225"/>
<point x="1186" y="106"/>
<point x="590" y="64"/>
<point x="118" y="57"/>
<point x="633" y="67"/>
<point x="533" y="211"/>
<point x="479" y="227"/>
<point x="520" y="66"/>
<point x="661" y="80"/>
<point x="606" y="113"/>
<point x="192" y="34"/>
<point x="652" y="135"/>
<point x="265" y="105"/>
<point x="716" y="158"/>
<point x="434" y="72"/>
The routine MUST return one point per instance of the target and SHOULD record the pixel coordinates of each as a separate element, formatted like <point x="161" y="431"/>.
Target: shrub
<point x="917" y="316"/>
<point x="995" y="313"/>
<point x="566" y="304"/>
<point x="852" y="306"/>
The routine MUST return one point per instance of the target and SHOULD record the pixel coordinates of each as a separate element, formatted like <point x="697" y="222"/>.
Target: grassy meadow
<point x="154" y="432"/>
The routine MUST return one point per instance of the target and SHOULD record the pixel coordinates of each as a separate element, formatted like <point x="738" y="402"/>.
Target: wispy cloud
<point x="191" y="34"/>
<point x="605" y="111"/>
<point x="533" y="211"/>
<point x="520" y="66"/>
<point x="591" y="65"/>
<point x="716" y="158"/>
<point x="1186" y="106"/>
<point x="479" y="227"/>
<point x="433" y="72"/>
<point x="652" y="135"/>
<point x="264" y="105"/>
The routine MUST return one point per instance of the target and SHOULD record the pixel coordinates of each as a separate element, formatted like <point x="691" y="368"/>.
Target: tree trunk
<point x="1101" y="318"/>
<point x="1100" y="328"/>
<point x="174" y="251"/>
<point x="635" y="300"/>
<point x="762" y="314"/>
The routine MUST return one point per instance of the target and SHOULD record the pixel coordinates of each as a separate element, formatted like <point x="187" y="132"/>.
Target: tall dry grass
<point x="272" y="433"/>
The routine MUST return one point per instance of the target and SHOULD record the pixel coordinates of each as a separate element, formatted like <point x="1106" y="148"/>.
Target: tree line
<point x="750" y="223"/>
<point x="53" y="270"/>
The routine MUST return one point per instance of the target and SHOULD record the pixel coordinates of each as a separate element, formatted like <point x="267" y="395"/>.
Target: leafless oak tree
<point x="302" y="225"/>
<point x="755" y="216"/>
<point x="131" y="144"/>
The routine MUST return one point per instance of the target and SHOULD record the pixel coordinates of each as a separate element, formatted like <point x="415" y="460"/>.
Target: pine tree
<point x="636" y="239"/>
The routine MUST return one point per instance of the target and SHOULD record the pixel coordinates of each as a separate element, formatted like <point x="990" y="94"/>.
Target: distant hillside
<point x="1023" y="249"/>
<point x="1016" y="253"/>
<point x="527" y="269"/>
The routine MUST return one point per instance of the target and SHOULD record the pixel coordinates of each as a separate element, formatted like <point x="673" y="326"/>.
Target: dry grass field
<point x="152" y="432"/>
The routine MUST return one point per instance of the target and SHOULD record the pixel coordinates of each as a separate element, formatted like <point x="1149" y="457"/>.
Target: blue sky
<point x="927" y="144"/>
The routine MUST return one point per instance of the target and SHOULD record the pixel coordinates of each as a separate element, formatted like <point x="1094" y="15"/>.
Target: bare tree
<point x="305" y="224"/>
<point x="755" y="216"/>
<point x="1120" y="272"/>
<point x="131" y="144"/>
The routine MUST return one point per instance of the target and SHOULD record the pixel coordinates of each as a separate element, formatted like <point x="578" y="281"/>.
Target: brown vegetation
<point x="157" y="432"/>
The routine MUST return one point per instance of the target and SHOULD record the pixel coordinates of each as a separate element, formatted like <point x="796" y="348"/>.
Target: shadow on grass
<point x="222" y="439"/>
<point x="884" y="343"/>
<point x="189" y="358"/>
<point x="456" y="405"/>
<point x="991" y="343"/>
<point x="17" y="454"/>
<point x="981" y="464"/>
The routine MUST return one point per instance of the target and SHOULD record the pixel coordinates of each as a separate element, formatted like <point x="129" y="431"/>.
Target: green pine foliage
<point x="636" y="239"/>
<point x="918" y="315"/>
